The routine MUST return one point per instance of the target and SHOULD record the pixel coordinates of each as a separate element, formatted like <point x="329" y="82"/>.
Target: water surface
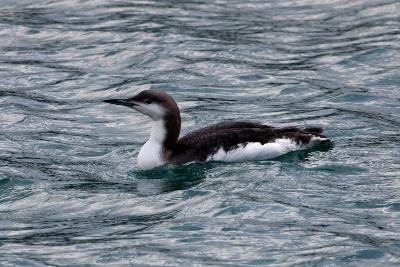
<point x="70" y="192"/>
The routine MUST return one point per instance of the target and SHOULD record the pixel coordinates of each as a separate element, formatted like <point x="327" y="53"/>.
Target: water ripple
<point x="70" y="193"/>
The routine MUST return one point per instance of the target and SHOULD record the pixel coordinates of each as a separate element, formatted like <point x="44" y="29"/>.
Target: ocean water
<point x="70" y="191"/>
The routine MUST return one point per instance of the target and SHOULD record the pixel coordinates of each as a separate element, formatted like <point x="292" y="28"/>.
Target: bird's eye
<point x="147" y="101"/>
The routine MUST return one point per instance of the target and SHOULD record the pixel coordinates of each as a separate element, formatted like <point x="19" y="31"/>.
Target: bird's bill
<point x="120" y="102"/>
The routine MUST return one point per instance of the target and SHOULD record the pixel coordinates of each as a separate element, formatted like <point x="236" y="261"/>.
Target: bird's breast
<point x="150" y="156"/>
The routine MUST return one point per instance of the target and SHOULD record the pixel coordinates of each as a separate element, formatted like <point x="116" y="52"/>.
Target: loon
<point x="230" y="141"/>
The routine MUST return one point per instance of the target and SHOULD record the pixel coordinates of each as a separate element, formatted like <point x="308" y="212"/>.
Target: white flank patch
<point x="257" y="151"/>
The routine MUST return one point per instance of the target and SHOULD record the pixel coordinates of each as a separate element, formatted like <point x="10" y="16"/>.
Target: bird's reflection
<point x="172" y="178"/>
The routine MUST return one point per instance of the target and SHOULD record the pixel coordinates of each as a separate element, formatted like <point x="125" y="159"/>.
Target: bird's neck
<point x="166" y="131"/>
<point x="163" y="138"/>
<point x="158" y="132"/>
<point x="153" y="154"/>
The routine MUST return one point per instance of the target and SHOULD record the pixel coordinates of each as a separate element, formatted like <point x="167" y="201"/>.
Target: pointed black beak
<point x="121" y="102"/>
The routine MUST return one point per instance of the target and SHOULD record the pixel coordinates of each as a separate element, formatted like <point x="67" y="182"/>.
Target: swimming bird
<point x="230" y="141"/>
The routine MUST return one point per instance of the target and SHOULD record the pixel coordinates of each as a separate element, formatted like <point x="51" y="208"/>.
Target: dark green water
<point x="70" y="193"/>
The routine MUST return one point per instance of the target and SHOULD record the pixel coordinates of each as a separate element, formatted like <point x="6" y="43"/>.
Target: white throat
<point x="150" y="155"/>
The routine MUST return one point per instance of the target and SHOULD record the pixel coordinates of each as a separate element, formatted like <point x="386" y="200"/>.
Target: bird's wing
<point x="227" y="125"/>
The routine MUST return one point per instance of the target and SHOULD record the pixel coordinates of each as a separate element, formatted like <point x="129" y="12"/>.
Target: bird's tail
<point x="317" y="131"/>
<point x="308" y="136"/>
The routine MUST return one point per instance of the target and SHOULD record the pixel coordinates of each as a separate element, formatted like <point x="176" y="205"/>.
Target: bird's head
<point x="154" y="104"/>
